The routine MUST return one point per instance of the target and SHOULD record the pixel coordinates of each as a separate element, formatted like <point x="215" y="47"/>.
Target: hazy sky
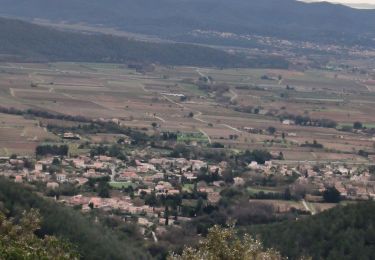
<point x="353" y="3"/>
<point x="347" y="1"/>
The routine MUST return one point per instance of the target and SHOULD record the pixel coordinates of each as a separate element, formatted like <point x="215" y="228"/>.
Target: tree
<point x="151" y="199"/>
<point x="18" y="241"/>
<point x="56" y="161"/>
<point x="357" y="125"/>
<point x="166" y="215"/>
<point x="271" y="130"/>
<point x="287" y="194"/>
<point x="223" y="243"/>
<point x="331" y="195"/>
<point x="103" y="190"/>
<point x="217" y="145"/>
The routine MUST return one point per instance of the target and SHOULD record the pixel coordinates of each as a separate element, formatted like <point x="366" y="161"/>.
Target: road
<point x="197" y="113"/>
<point x="322" y="162"/>
<point x="154" y="237"/>
<point x="310" y="209"/>
<point x="203" y="75"/>
<point x="160" y="118"/>
<point x="232" y="128"/>
<point x="113" y="171"/>
<point x="208" y="137"/>
<point x="234" y="95"/>
<point x="11" y="90"/>
<point x="366" y="86"/>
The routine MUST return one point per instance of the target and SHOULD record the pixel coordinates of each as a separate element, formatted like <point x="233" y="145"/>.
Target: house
<point x="79" y="163"/>
<point x="104" y="158"/>
<point x="71" y="136"/>
<point x="18" y="179"/>
<point x="96" y="202"/>
<point x="215" y="169"/>
<point x="144" y="191"/>
<point x="90" y="173"/>
<point x="128" y="176"/>
<point x="144" y="167"/>
<point x="180" y="162"/>
<point x="173" y="192"/>
<point x="52" y="185"/>
<point x="78" y="200"/>
<point x="218" y="183"/>
<point x="198" y="164"/>
<point x="144" y="222"/>
<point x="223" y="164"/>
<point x="16" y="162"/>
<point x="81" y="181"/>
<point x="61" y="177"/>
<point x="238" y="181"/>
<point x="288" y="122"/>
<point x="98" y="165"/>
<point x="163" y="188"/>
<point x="38" y="167"/>
<point x="155" y="177"/>
<point x="253" y="165"/>
<point x="161" y="161"/>
<point x="190" y="176"/>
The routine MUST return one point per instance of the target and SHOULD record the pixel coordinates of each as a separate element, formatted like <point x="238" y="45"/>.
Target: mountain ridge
<point x="30" y="42"/>
<point x="287" y="19"/>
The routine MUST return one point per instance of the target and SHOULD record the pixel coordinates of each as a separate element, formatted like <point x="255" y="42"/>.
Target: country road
<point x="234" y="95"/>
<point x="208" y="137"/>
<point x="308" y="208"/>
<point x="203" y="75"/>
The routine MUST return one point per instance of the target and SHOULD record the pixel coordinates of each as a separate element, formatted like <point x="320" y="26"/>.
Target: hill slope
<point x="289" y="19"/>
<point x="93" y="241"/>
<point x="32" y="42"/>
<point x="341" y="233"/>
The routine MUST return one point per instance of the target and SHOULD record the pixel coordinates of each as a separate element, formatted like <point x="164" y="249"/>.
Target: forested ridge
<point x="345" y="232"/>
<point x="26" y="41"/>
<point x="285" y="19"/>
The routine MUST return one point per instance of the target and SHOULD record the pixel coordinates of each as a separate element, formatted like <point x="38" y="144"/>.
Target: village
<point x="161" y="191"/>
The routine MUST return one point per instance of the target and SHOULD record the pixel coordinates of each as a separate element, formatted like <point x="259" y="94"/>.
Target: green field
<point x="122" y="185"/>
<point x="253" y="190"/>
<point x="188" y="187"/>
<point x="192" y="137"/>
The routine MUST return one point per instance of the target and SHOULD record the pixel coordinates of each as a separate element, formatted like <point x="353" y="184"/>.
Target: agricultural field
<point x="21" y="136"/>
<point x="219" y="105"/>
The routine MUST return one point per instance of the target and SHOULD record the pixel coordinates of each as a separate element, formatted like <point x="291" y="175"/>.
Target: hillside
<point x="287" y="19"/>
<point x="341" y="233"/>
<point x="93" y="241"/>
<point x="26" y="41"/>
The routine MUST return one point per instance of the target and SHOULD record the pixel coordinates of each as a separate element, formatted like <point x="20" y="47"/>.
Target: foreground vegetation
<point x="93" y="240"/>
<point x="345" y="232"/>
<point x="18" y="241"/>
<point x="223" y="243"/>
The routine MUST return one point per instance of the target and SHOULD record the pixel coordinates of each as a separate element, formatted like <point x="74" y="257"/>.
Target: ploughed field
<point x="233" y="107"/>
